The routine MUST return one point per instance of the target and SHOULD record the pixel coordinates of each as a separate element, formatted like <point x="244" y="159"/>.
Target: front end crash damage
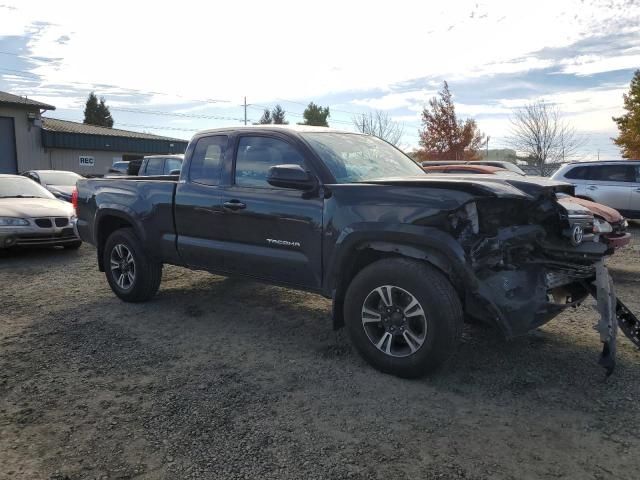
<point x="535" y="255"/>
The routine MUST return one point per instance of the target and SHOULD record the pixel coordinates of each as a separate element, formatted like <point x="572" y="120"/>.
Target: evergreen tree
<point x="91" y="110"/>
<point x="105" y="114"/>
<point x="265" y="119"/>
<point x="628" y="138"/>
<point x="316" y="115"/>
<point x="278" y="116"/>
<point x="96" y="112"/>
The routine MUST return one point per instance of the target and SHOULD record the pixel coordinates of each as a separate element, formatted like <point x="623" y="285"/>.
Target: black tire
<point x="73" y="246"/>
<point x="147" y="273"/>
<point x="442" y="319"/>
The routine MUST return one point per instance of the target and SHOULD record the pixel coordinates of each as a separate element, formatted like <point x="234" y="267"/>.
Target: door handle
<point x="592" y="187"/>
<point x="234" y="205"/>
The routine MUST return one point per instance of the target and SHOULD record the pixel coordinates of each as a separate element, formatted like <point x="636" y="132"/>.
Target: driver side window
<point x="256" y="155"/>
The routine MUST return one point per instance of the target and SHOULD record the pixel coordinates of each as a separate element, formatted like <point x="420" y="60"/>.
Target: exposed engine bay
<point x="534" y="257"/>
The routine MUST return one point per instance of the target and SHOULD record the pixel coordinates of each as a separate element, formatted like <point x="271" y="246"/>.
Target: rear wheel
<point x="403" y="316"/>
<point x="131" y="274"/>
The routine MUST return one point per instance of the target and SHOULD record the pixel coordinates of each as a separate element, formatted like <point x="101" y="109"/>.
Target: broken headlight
<point x="600" y="226"/>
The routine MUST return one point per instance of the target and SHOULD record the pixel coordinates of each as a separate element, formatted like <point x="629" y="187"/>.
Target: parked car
<point x="161" y="165"/>
<point x="59" y="182"/>
<point x="612" y="183"/>
<point x="512" y="167"/>
<point x="31" y="216"/>
<point x="128" y="167"/>
<point x="403" y="255"/>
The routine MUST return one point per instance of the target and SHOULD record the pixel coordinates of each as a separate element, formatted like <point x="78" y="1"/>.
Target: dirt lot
<point x="220" y="378"/>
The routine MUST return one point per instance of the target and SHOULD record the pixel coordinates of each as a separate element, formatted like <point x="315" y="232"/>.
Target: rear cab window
<point x="172" y="164"/>
<point x="154" y="166"/>
<point x="206" y="161"/>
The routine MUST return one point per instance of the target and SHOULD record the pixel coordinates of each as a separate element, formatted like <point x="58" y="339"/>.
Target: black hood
<point x="485" y="185"/>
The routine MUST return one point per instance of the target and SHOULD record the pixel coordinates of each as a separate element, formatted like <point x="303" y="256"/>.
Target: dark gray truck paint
<point x="318" y="241"/>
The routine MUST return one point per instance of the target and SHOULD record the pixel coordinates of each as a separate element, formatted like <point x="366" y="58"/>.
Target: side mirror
<point x="175" y="172"/>
<point x="291" y="176"/>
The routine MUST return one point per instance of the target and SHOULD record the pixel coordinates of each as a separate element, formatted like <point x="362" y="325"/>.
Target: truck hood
<point x="34" y="207"/>
<point x="485" y="185"/>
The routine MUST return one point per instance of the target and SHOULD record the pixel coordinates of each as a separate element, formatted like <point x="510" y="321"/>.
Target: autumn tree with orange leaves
<point x="444" y="137"/>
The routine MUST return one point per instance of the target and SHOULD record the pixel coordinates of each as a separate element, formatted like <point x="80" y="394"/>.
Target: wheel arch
<point x="108" y="221"/>
<point x="438" y="249"/>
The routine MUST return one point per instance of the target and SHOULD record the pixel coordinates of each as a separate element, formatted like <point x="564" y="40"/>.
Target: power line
<point x="174" y="114"/>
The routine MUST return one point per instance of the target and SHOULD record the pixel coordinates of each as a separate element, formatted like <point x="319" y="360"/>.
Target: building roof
<point x="18" y="101"/>
<point x="78" y="136"/>
<point x="66" y="126"/>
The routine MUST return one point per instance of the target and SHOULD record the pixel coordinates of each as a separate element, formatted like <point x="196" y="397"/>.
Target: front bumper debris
<point x="613" y="313"/>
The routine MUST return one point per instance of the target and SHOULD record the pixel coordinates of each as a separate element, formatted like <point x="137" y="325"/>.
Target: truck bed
<point x="148" y="200"/>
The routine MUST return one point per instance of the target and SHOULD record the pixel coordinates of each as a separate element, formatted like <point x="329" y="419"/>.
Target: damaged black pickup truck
<point x="405" y="257"/>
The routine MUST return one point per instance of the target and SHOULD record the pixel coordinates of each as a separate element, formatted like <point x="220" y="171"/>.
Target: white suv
<point x="612" y="183"/>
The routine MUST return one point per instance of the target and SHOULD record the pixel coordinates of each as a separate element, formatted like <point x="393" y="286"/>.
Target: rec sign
<point x="86" y="161"/>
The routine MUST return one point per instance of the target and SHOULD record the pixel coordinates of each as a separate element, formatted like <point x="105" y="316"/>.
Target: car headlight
<point x="600" y="226"/>
<point x="13" y="222"/>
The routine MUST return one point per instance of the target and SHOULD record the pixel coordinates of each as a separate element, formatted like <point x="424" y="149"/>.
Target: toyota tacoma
<point x="405" y="257"/>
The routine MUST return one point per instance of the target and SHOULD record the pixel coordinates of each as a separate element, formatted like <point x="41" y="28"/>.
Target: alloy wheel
<point x="394" y="321"/>
<point x="123" y="266"/>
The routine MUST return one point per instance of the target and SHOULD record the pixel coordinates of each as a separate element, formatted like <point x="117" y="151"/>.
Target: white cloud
<point x="224" y="50"/>
<point x="595" y="64"/>
<point x="199" y="49"/>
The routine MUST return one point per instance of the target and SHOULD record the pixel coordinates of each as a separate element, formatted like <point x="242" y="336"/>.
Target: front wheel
<point x="403" y="316"/>
<point x="132" y="276"/>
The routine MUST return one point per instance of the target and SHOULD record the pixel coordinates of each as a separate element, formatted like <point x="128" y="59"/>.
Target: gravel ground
<point x="222" y="378"/>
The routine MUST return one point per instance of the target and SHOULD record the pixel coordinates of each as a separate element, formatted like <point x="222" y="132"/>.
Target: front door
<point x="8" y="159"/>
<point x="270" y="233"/>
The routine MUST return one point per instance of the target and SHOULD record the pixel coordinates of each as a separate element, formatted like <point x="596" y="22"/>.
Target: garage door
<point x="8" y="163"/>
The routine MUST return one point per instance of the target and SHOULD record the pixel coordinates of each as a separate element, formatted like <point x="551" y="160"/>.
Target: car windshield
<point x="59" y="178"/>
<point x="21" y="187"/>
<point x="359" y="158"/>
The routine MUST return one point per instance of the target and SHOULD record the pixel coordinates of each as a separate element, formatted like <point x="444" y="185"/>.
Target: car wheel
<point x="73" y="246"/>
<point x="403" y="316"/>
<point x="132" y="276"/>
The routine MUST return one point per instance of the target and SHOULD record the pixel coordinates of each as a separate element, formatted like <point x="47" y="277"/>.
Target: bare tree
<point x="379" y="124"/>
<point x="538" y="132"/>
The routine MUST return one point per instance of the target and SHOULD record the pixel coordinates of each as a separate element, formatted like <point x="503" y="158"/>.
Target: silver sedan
<point x="31" y="216"/>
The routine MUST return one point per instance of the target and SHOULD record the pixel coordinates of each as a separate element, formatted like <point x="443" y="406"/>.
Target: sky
<point x="173" y="68"/>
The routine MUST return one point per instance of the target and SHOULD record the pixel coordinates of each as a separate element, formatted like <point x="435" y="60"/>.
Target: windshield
<point x="358" y="158"/>
<point x="21" y="187"/>
<point x="59" y="178"/>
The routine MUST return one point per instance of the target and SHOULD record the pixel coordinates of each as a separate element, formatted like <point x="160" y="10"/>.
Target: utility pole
<point x="488" y="138"/>
<point x="598" y="154"/>
<point x="245" y="110"/>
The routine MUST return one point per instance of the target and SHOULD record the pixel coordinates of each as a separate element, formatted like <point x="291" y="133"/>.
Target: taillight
<point x="74" y="199"/>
